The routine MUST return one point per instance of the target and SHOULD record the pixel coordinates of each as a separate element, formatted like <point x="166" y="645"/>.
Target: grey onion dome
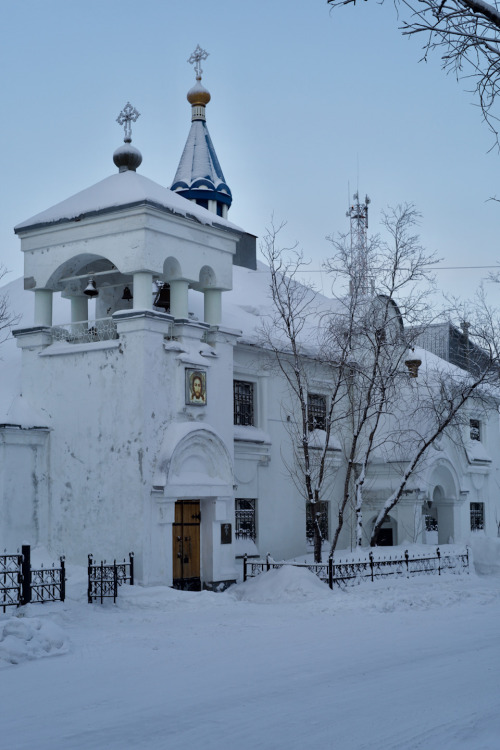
<point x="127" y="157"/>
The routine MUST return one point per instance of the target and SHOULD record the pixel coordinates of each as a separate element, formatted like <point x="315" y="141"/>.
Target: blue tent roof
<point x="199" y="175"/>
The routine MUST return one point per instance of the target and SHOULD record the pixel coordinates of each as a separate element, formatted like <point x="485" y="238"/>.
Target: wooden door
<point x="186" y="545"/>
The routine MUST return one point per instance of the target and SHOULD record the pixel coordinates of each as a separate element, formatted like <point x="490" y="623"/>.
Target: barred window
<point x="243" y="403"/>
<point x="316" y="411"/>
<point x="476" y="516"/>
<point x="245" y="526"/>
<point x="311" y="510"/>
<point x="475" y="429"/>
<point x="431" y="523"/>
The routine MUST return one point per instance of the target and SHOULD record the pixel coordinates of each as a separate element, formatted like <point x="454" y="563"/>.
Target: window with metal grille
<point x="316" y="411"/>
<point x="476" y="516"/>
<point x="431" y="523"/>
<point x="243" y="403"/>
<point x="244" y="511"/>
<point x="311" y="510"/>
<point x="475" y="429"/>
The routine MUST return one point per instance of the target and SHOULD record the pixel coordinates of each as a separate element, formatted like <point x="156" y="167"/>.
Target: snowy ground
<point x="278" y="662"/>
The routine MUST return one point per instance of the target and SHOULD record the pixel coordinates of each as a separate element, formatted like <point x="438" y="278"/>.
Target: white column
<point x="224" y="211"/>
<point x="79" y="309"/>
<point x="43" y="307"/>
<point x="179" y="298"/>
<point x="212" y="206"/>
<point x="212" y="306"/>
<point x="143" y="291"/>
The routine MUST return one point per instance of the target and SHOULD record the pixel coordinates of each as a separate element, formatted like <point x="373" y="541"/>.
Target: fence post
<point x="89" y="575"/>
<point x="102" y="579"/>
<point x="268" y="564"/>
<point x="438" y="553"/>
<point x="330" y="572"/>
<point x="115" y="581"/>
<point x="245" y="567"/>
<point x="371" y="563"/>
<point x="63" y="578"/>
<point x="407" y="563"/>
<point x="26" y="574"/>
<point x="131" y="558"/>
<point x="467" y="558"/>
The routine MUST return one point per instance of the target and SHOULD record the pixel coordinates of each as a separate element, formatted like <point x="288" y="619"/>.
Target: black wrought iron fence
<point x="21" y="584"/>
<point x="350" y="573"/>
<point x="10" y="580"/>
<point x="105" y="578"/>
<point x="49" y="584"/>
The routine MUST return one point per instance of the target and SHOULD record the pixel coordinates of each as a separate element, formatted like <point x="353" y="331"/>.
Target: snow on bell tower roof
<point x="199" y="176"/>
<point x="123" y="190"/>
<point x="127" y="226"/>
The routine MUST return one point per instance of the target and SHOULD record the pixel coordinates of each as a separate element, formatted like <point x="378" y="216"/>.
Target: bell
<point x="91" y="289"/>
<point x="127" y="294"/>
<point x="162" y="298"/>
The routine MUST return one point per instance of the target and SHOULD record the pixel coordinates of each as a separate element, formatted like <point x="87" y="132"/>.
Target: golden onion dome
<point x="198" y="95"/>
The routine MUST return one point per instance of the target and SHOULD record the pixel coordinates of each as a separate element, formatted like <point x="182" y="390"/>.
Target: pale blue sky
<point x="304" y="103"/>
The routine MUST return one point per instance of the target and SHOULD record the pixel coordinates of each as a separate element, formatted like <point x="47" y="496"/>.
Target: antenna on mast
<point x="358" y="215"/>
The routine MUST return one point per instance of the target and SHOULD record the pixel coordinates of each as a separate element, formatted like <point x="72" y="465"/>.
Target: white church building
<point x="137" y="412"/>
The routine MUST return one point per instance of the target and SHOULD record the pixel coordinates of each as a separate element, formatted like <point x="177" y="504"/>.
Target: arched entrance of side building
<point x="192" y="510"/>
<point x="440" y="509"/>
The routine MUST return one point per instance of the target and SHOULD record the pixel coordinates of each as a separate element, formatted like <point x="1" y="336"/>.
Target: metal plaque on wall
<point x="225" y="533"/>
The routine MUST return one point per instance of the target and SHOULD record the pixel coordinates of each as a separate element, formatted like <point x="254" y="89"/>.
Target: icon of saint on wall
<point x="196" y="387"/>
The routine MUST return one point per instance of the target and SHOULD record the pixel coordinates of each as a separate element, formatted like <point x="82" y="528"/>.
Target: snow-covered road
<point x="276" y="663"/>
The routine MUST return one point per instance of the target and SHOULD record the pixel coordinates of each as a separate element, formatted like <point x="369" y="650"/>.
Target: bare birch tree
<point x="392" y="282"/>
<point x="363" y="342"/>
<point x="287" y="334"/>
<point x="357" y="340"/>
<point x="466" y="33"/>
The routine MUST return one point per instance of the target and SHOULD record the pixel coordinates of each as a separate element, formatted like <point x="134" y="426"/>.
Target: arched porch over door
<point x="194" y="477"/>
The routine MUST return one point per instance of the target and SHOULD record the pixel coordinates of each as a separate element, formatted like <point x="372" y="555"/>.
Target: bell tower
<point x="114" y="365"/>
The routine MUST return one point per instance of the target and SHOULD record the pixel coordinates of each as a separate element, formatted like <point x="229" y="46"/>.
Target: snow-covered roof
<point x="120" y="190"/>
<point x="199" y="168"/>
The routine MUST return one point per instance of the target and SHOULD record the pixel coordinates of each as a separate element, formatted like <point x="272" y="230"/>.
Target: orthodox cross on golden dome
<point x="128" y="115"/>
<point x="196" y="57"/>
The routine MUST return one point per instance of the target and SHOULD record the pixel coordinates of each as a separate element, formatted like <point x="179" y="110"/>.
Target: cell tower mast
<point x="358" y="215"/>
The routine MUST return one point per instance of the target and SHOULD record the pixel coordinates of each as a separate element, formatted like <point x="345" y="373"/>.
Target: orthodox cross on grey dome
<point x="127" y="115"/>
<point x="196" y="57"/>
